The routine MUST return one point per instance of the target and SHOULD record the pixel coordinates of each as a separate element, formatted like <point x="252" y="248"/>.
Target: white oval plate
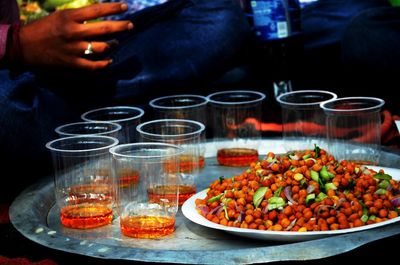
<point x="190" y="212"/>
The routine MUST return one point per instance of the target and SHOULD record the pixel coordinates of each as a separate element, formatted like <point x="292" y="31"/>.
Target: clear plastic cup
<point x="186" y="134"/>
<point x="147" y="207"/>
<point x="84" y="189"/>
<point x="126" y="116"/>
<point x="303" y="120"/>
<point x="89" y="128"/>
<point x="235" y="138"/>
<point x="184" y="106"/>
<point x="354" y="128"/>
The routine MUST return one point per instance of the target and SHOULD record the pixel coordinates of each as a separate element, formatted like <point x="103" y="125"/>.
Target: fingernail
<point x="124" y="7"/>
<point x="130" y="25"/>
<point x="110" y="61"/>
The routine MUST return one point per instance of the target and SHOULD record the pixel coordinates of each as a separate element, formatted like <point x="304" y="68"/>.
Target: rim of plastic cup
<point x="115" y="150"/>
<point x="59" y="129"/>
<point x="114" y="143"/>
<point x="379" y="103"/>
<point x="201" y="129"/>
<point x="153" y="104"/>
<point x="261" y="97"/>
<point x="279" y="98"/>
<point x="141" y="113"/>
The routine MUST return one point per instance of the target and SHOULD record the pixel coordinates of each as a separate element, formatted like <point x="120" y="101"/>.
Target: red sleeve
<point x="10" y="52"/>
<point x="3" y="40"/>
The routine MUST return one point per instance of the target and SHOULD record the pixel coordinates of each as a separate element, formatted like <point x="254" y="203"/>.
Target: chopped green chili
<point x="330" y="186"/>
<point x="259" y="195"/>
<point x="215" y="198"/>
<point x="310" y="197"/>
<point x="314" y="175"/>
<point x="380" y="191"/>
<point x="382" y="176"/>
<point x="384" y="184"/>
<point x="278" y="191"/>
<point x="275" y="202"/>
<point x="321" y="196"/>
<point x="325" y="174"/>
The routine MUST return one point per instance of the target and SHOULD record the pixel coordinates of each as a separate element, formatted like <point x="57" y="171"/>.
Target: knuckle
<point x="97" y="8"/>
<point x="66" y="34"/>
<point x="63" y="16"/>
<point x="64" y="29"/>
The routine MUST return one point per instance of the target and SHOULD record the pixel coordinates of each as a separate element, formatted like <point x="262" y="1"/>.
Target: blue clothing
<point x="325" y="24"/>
<point x="133" y="6"/>
<point x="325" y="21"/>
<point x="371" y="54"/>
<point x="177" y="46"/>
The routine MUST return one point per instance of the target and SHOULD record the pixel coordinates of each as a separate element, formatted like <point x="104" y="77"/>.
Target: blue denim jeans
<point x="325" y="24"/>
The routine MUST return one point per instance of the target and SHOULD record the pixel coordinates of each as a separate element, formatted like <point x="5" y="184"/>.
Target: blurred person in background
<point x="351" y="48"/>
<point x="57" y="66"/>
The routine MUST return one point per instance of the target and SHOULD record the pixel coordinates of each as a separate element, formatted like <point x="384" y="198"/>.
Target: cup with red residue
<point x="303" y="120"/>
<point x="353" y="128"/>
<point x="237" y="141"/>
<point x="84" y="188"/>
<point x="187" y="135"/>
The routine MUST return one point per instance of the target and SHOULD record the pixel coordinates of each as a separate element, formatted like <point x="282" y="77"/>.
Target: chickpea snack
<point x="306" y="193"/>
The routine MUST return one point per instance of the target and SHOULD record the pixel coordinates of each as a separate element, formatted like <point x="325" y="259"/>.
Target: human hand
<point x="60" y="39"/>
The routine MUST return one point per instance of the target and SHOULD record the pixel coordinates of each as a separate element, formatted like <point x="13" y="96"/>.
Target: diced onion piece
<point x="216" y="209"/>
<point x="288" y="193"/>
<point x="203" y="209"/>
<point x="290" y="226"/>
<point x="395" y="201"/>
<point x="310" y="189"/>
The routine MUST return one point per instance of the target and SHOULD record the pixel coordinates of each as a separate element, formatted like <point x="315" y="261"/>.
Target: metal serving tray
<point x="34" y="214"/>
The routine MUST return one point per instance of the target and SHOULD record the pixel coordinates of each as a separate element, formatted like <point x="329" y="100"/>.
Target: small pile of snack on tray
<point x="302" y="191"/>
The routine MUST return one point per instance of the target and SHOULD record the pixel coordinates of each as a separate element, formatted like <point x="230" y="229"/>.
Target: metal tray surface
<point x="34" y="214"/>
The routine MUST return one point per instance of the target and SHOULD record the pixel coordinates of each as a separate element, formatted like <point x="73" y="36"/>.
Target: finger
<point x="100" y="28"/>
<point x="89" y="65"/>
<point x="86" y="48"/>
<point x="97" y="10"/>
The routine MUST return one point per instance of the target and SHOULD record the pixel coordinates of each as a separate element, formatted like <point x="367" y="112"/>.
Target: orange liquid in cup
<point x="169" y="193"/>
<point x="86" y="215"/>
<point x="201" y="161"/>
<point x="363" y="162"/>
<point x="147" y="226"/>
<point x="237" y="157"/>
<point x="128" y="178"/>
<point x="187" y="164"/>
